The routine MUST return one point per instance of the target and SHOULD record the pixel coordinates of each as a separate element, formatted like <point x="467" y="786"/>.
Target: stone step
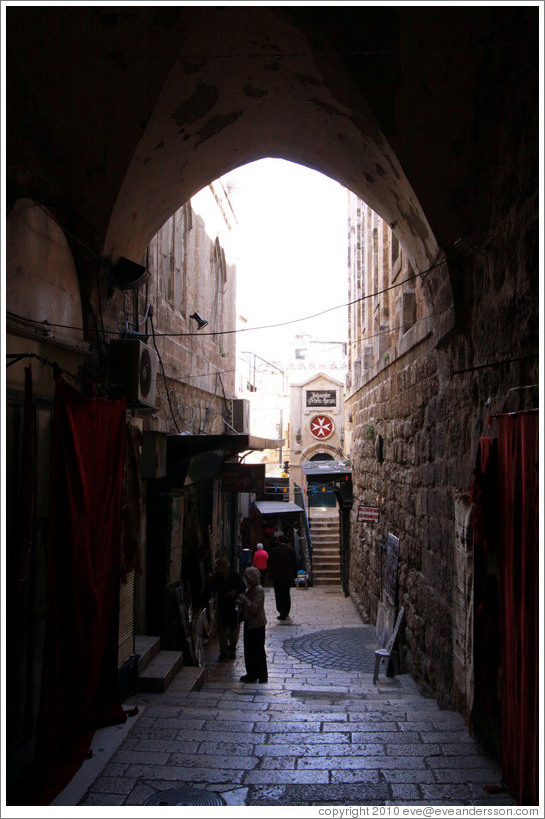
<point x="159" y="672"/>
<point x="319" y="534"/>
<point x="146" y="647"/>
<point x="325" y="548"/>
<point x="327" y="559"/>
<point x="327" y="581"/>
<point x="324" y="573"/>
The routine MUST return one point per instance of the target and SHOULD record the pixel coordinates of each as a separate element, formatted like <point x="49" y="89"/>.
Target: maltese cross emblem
<point x="321" y="426"/>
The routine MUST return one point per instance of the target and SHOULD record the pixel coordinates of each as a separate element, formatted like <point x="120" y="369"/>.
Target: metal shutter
<point x="126" y="620"/>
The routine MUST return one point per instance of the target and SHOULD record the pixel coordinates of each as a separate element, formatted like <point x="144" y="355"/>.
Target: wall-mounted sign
<point x="321" y="427"/>
<point x="368" y="514"/>
<point x="243" y="478"/>
<point x="321" y="398"/>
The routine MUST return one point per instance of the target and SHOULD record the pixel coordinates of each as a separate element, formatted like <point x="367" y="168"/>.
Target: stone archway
<point x="253" y="85"/>
<point x="133" y="110"/>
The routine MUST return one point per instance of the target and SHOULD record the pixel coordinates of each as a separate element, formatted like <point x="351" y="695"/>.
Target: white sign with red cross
<point x="322" y="427"/>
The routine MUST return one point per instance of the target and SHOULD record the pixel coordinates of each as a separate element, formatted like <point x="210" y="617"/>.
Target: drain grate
<point x="185" y="796"/>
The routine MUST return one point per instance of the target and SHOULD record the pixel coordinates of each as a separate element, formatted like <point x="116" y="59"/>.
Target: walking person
<point x="259" y="560"/>
<point x="253" y="611"/>
<point x="226" y="585"/>
<point x="282" y="566"/>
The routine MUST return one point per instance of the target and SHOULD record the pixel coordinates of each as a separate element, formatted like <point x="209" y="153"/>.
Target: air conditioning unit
<point x="132" y="372"/>
<point x="241" y="415"/>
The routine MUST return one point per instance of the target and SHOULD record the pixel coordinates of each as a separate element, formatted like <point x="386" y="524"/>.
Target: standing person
<point x="260" y="559"/>
<point x="253" y="610"/>
<point x="282" y="567"/>
<point x="226" y="585"/>
<point x="245" y="560"/>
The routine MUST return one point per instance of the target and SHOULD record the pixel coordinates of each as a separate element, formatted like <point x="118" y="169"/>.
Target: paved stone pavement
<point x="319" y="733"/>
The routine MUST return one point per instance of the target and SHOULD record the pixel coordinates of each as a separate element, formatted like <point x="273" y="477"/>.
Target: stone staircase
<point x="326" y="570"/>
<point x="156" y="668"/>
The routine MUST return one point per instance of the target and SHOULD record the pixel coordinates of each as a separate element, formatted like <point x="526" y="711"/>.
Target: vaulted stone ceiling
<point x="119" y="115"/>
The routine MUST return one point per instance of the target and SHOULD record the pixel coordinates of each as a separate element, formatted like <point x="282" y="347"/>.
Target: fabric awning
<point x="239" y="442"/>
<point x="325" y="468"/>
<point x="194" y="458"/>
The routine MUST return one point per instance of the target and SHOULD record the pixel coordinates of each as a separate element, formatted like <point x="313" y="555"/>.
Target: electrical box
<point x="241" y="415"/>
<point x="132" y="372"/>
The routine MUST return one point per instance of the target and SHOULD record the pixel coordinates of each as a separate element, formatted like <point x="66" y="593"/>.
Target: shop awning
<point x="276" y="507"/>
<point x="195" y="444"/>
<point x="194" y="458"/>
<point x="315" y="468"/>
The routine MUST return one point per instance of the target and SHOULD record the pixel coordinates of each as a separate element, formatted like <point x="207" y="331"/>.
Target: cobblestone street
<point x="319" y="733"/>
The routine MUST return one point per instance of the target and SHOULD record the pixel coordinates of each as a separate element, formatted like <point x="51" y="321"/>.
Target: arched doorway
<point x="320" y="495"/>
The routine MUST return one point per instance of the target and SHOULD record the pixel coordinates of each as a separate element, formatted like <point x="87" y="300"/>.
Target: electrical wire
<point x="90" y="248"/>
<point x="314" y="315"/>
<point x="15" y="358"/>
<point x="251" y="329"/>
<point x="163" y="373"/>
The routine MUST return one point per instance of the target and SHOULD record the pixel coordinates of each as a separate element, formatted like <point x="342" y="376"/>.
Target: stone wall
<point x="430" y="406"/>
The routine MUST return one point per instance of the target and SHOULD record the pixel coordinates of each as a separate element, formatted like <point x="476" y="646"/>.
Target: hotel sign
<point x="321" y="398"/>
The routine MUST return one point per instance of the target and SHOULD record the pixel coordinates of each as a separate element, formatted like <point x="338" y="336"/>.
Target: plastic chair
<point x="302" y="577"/>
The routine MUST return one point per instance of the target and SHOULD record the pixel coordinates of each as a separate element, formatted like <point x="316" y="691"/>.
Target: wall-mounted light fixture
<point x="199" y="319"/>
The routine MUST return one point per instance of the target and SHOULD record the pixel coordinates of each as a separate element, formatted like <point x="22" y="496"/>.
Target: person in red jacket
<point x="259" y="560"/>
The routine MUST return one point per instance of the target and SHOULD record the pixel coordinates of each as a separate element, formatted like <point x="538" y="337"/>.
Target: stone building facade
<point x="415" y="413"/>
<point x="190" y="371"/>
<point x="189" y="273"/>
<point x="316" y="423"/>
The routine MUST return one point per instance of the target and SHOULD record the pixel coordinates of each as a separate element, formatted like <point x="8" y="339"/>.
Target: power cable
<point x="163" y="372"/>
<point x="262" y="327"/>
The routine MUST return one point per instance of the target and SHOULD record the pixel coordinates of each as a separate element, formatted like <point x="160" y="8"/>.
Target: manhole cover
<point x="349" y="649"/>
<point x="185" y="796"/>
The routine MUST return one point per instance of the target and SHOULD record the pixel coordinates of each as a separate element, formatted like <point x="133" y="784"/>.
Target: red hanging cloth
<point x="79" y="680"/>
<point x="519" y="571"/>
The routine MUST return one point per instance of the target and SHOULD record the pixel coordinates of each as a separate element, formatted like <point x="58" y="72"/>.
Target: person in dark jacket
<point x="282" y="568"/>
<point x="227" y="585"/>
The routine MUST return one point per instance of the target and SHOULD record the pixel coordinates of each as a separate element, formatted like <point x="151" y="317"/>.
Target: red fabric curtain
<point x="79" y="680"/>
<point x="519" y="571"/>
<point x="486" y="710"/>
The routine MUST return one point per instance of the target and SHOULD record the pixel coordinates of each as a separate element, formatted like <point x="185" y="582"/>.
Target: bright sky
<point x="292" y="251"/>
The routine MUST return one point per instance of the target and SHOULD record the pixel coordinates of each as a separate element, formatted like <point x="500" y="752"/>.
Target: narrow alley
<point x="267" y="265"/>
<point x="319" y="733"/>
